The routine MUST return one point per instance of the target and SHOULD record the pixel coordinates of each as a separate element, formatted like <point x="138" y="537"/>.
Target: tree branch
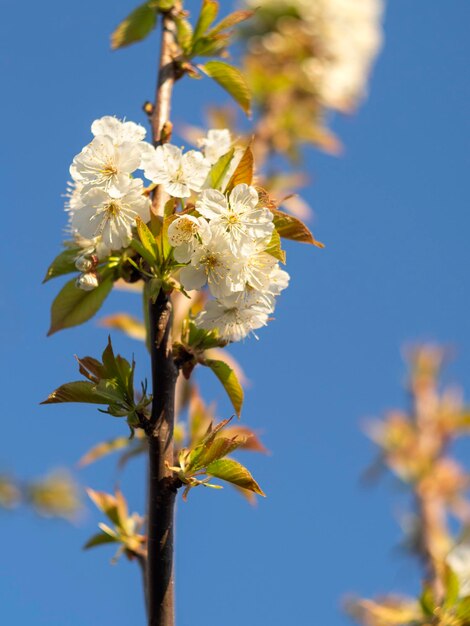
<point x="162" y="485"/>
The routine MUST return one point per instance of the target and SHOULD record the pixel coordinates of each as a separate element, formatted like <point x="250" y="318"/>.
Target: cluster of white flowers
<point x="222" y="245"/>
<point x="225" y="248"/>
<point x="347" y="35"/>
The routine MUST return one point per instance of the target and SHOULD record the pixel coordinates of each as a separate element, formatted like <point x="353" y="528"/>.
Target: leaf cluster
<point x="109" y="382"/>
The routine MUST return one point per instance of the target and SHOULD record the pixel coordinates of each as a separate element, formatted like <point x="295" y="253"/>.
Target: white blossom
<point x="211" y="263"/>
<point x="216" y="143"/>
<point x="178" y="173"/>
<point x="119" y="131"/>
<point x="185" y="233"/>
<point x="233" y="318"/>
<point x="103" y="165"/>
<point x="458" y="560"/>
<point x="253" y="269"/>
<point x="111" y="218"/>
<point x="239" y="218"/>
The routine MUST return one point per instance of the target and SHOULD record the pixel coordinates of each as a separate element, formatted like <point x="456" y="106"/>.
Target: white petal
<point x="192" y="278"/>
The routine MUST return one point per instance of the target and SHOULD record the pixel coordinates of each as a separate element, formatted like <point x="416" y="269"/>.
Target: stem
<point x="161" y="125"/>
<point x="162" y="485"/>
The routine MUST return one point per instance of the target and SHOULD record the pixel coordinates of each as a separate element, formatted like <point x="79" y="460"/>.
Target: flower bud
<point x="87" y="282"/>
<point x="83" y="263"/>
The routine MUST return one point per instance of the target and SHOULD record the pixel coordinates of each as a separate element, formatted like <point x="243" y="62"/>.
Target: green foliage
<point x="452" y="587"/>
<point x="73" y="306"/>
<point x="291" y="227"/>
<point x="244" y="171"/>
<point x="64" y="263"/>
<point x="126" y="527"/>
<point x="207" y="457"/>
<point x="110" y="382"/>
<point x="136" y="26"/>
<point x="209" y="12"/>
<point x="219" y="170"/>
<point x="275" y="249"/>
<point x="229" y="380"/>
<point x="149" y="245"/>
<point x="235" y="473"/>
<point x="232" y="80"/>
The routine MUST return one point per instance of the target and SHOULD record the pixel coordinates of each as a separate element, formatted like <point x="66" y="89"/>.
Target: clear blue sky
<point x="394" y="213"/>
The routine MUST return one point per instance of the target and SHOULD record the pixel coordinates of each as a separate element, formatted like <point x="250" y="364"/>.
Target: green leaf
<point x="64" y="263"/>
<point x="291" y="227"/>
<point x="140" y="249"/>
<point x="184" y="32"/>
<point x="99" y="540"/>
<point x="78" y="391"/>
<point x="210" y="46"/>
<point x="232" y="80"/>
<point x="209" y="12"/>
<point x="463" y="609"/>
<point x="135" y="27"/>
<point x="274" y="248"/>
<point x="427" y="602"/>
<point x="452" y="587"/>
<point x="244" y="171"/>
<point x="147" y="240"/>
<point x="229" y="380"/>
<point x="219" y="170"/>
<point x="73" y="306"/>
<point x="114" y="507"/>
<point x="231" y="20"/>
<point x="215" y="449"/>
<point x="235" y="473"/>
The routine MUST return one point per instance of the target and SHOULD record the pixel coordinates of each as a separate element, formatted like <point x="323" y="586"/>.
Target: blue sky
<point x="394" y="214"/>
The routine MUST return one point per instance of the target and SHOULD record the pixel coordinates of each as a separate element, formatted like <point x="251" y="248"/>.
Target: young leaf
<point x="135" y="27"/>
<point x="209" y="12"/>
<point x="64" y="263"/>
<point x="229" y="380"/>
<point x="114" y="508"/>
<point x="147" y="240"/>
<point x="291" y="227"/>
<point x="73" y="306"/>
<point x="244" y="171"/>
<point x="452" y="587"/>
<point x="274" y="248"/>
<point x="235" y="473"/>
<point x="231" y="20"/>
<point x="232" y="80"/>
<point x="78" y="391"/>
<point x="217" y="448"/>
<point x="100" y="539"/>
<point x="220" y="169"/>
<point x="184" y="32"/>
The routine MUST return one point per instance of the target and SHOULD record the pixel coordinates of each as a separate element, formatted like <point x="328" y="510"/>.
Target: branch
<point x="162" y="484"/>
<point x="161" y="125"/>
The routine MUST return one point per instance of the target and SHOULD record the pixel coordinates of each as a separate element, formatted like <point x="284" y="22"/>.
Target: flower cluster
<point x="226" y="249"/>
<point x="221" y="241"/>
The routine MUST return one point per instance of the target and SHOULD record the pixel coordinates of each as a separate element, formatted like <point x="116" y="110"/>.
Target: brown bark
<point x="162" y="485"/>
